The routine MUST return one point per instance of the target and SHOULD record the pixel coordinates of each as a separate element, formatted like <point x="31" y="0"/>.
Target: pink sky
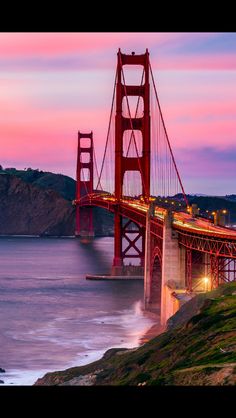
<point x="54" y="84"/>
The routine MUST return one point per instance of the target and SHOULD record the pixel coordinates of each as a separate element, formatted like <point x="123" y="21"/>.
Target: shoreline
<point x="151" y="333"/>
<point x="88" y="379"/>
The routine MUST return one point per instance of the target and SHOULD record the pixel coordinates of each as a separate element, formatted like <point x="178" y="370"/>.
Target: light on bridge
<point x="206" y="282"/>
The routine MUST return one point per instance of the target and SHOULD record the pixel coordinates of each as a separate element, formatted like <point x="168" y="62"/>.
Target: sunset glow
<point x="54" y="84"/>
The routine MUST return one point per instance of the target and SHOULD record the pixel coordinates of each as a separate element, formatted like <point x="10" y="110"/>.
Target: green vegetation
<point x="197" y="349"/>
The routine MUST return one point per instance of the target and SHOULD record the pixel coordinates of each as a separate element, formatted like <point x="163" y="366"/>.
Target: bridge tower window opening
<point x="135" y="109"/>
<point x="85" y="142"/>
<point x="85" y="174"/>
<point x="129" y="148"/>
<point x="85" y="157"/>
<point x="133" y="74"/>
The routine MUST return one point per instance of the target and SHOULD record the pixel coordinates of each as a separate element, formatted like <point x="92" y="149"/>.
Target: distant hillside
<point x="199" y="348"/>
<point x="34" y="202"/>
<point x="28" y="210"/>
<point x="212" y="203"/>
<point x="208" y="204"/>
<point x="60" y="183"/>
<point x="231" y="197"/>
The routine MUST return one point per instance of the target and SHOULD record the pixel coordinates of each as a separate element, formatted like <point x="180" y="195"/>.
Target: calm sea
<point x="51" y="318"/>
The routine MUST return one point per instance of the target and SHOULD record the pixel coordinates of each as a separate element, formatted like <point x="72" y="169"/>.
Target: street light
<point x="206" y="281"/>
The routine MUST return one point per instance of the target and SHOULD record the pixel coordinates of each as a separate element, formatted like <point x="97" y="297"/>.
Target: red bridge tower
<point x="84" y="184"/>
<point x="126" y="247"/>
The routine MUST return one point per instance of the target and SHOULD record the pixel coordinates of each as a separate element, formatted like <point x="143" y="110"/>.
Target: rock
<point x="85" y="380"/>
<point x="1" y="381"/>
<point x="39" y="207"/>
<point x="38" y="211"/>
<point x="2" y="370"/>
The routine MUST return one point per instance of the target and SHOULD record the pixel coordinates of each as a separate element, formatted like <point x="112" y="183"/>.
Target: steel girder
<point x="218" y="247"/>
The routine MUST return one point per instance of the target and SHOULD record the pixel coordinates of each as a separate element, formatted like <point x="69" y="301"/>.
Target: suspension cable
<point x="167" y="138"/>
<point x="96" y="168"/>
<point x="108" y="132"/>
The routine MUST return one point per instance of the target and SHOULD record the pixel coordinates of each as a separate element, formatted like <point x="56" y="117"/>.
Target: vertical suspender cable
<point x="108" y="132"/>
<point x="168" y="142"/>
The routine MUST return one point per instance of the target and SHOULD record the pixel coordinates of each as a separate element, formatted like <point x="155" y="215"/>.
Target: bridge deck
<point x="181" y="220"/>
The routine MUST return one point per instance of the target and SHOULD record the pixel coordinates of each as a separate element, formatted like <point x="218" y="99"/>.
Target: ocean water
<point x="51" y="317"/>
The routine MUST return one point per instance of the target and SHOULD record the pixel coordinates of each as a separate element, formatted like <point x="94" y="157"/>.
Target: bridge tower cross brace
<point x="124" y="163"/>
<point x="84" y="184"/>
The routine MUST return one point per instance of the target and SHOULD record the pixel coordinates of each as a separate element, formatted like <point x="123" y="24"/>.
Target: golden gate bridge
<point x="139" y="182"/>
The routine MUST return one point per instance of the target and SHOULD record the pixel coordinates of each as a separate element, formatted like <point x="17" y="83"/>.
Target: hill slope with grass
<point x="198" y="348"/>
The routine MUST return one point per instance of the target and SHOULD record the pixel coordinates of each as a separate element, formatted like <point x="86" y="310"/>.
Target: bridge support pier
<point x="147" y="265"/>
<point x="164" y="265"/>
<point x="173" y="266"/>
<point x="117" y="267"/>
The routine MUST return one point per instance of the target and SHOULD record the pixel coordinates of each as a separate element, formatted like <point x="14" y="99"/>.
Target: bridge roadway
<point x="195" y="233"/>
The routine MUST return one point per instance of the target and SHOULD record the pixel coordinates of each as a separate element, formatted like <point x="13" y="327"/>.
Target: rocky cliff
<point x="63" y="185"/>
<point x="40" y="205"/>
<point x="198" y="348"/>
<point x="26" y="209"/>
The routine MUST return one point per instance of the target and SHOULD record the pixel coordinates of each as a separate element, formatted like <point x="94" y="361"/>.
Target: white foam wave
<point x="131" y="324"/>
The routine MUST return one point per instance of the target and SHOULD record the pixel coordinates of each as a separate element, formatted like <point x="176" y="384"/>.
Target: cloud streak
<point x="60" y="51"/>
<point x="54" y="84"/>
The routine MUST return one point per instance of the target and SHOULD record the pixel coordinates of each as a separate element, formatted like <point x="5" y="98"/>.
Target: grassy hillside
<point x="199" y="348"/>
